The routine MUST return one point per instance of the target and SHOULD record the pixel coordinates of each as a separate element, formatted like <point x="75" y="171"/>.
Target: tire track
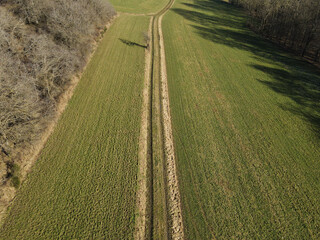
<point x="144" y="191"/>
<point x="155" y="71"/>
<point x="173" y="192"/>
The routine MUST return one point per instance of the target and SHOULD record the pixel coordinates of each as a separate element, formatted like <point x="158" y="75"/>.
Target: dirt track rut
<point x="156" y="75"/>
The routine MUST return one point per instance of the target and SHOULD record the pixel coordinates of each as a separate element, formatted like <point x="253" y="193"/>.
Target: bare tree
<point x="43" y="43"/>
<point x="294" y="24"/>
<point x="146" y="39"/>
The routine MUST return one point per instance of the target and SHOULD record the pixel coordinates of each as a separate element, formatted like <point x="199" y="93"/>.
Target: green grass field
<point x="246" y="119"/>
<point x="139" y="6"/>
<point x="84" y="184"/>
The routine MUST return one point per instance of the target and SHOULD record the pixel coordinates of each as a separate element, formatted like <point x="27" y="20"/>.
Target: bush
<point x="15" y="181"/>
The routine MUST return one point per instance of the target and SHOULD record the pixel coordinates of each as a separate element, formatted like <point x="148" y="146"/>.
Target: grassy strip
<point x="246" y="128"/>
<point x="84" y="184"/>
<point x="138" y="6"/>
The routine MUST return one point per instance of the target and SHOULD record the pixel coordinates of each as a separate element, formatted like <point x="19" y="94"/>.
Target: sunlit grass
<point x="246" y="128"/>
<point x="139" y="6"/>
<point x="83" y="185"/>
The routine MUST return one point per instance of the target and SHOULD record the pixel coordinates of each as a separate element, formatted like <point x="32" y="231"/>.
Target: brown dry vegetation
<point x="43" y="44"/>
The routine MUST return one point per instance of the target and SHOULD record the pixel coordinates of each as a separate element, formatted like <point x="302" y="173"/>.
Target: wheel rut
<point x="156" y="140"/>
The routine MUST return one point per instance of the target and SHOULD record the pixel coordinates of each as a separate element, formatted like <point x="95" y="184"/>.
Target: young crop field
<point x="245" y="119"/>
<point x="139" y="6"/>
<point x="83" y="186"/>
<point x="184" y="125"/>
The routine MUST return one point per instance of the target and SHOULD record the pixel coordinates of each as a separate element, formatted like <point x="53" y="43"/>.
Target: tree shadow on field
<point x="131" y="44"/>
<point x="225" y="24"/>
<point x="302" y="88"/>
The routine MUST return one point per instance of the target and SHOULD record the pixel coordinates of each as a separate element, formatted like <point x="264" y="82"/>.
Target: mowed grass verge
<point x="246" y="126"/>
<point x="139" y="6"/>
<point x="83" y="186"/>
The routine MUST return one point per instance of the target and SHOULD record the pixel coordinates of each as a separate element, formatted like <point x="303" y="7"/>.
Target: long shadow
<point x="225" y="24"/>
<point x="131" y="44"/>
<point x="301" y="87"/>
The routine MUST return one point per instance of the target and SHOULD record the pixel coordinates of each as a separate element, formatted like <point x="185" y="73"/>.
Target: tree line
<point x="43" y="44"/>
<point x="294" y="24"/>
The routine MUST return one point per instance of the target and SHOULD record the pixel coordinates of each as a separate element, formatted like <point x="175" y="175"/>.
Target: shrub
<point x="15" y="181"/>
